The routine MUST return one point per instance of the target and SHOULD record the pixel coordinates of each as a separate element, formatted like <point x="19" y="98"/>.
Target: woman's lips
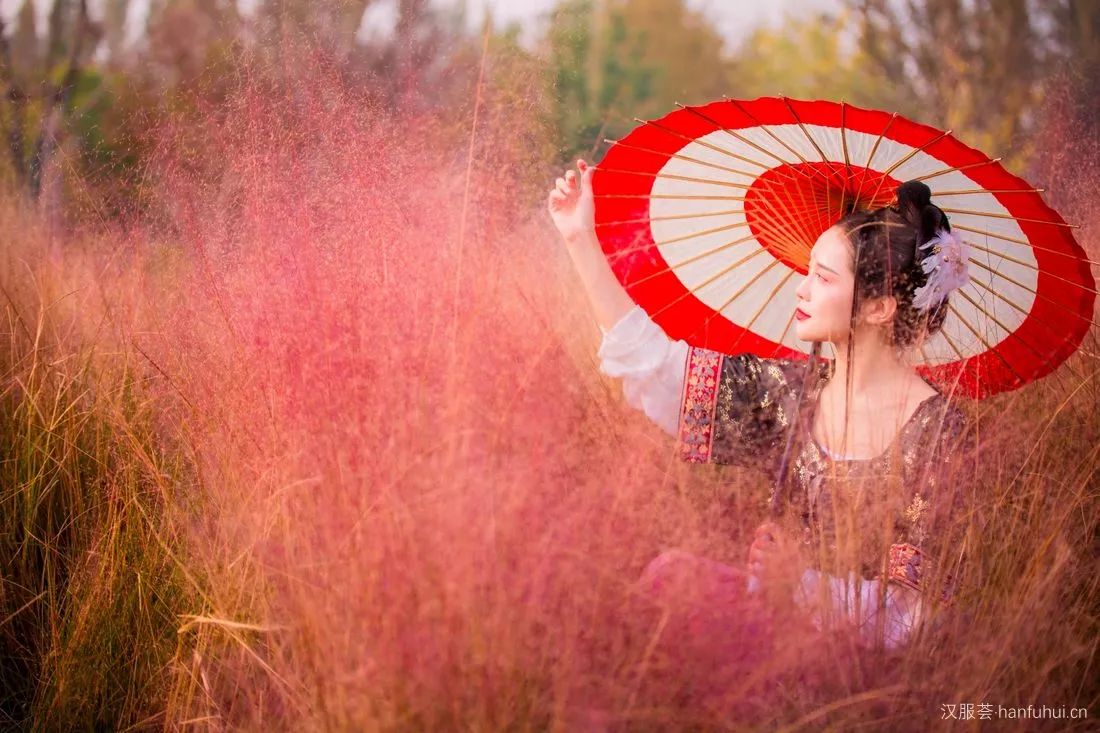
<point x="801" y="315"/>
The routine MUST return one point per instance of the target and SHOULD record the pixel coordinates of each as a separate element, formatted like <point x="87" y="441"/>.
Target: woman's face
<point x="825" y="295"/>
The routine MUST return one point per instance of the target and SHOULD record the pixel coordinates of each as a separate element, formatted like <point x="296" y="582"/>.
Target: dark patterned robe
<point x="888" y="516"/>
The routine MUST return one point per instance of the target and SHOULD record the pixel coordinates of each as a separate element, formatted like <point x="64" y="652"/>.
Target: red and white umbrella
<point x="708" y="214"/>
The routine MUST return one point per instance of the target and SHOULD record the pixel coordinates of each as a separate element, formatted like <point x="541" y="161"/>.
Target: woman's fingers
<point x="571" y="178"/>
<point x="769" y="532"/>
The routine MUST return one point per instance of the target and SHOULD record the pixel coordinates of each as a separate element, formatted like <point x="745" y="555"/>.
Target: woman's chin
<point x="805" y="333"/>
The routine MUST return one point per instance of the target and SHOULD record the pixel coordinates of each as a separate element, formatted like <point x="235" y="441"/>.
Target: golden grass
<point x="265" y="472"/>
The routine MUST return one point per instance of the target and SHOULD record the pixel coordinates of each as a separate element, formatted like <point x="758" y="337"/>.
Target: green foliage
<point x="91" y="591"/>
<point x="809" y="57"/>
<point x="612" y="61"/>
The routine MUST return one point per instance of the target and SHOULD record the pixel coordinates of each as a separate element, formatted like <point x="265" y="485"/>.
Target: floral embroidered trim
<point x="699" y="401"/>
<point x="905" y="565"/>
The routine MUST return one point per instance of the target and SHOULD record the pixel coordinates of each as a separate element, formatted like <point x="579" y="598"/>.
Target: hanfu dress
<point x="875" y="530"/>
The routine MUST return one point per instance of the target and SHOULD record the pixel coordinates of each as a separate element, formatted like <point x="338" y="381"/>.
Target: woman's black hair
<point x="887" y="260"/>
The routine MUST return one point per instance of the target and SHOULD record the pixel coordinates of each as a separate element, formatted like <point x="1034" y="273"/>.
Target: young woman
<point x="869" y="486"/>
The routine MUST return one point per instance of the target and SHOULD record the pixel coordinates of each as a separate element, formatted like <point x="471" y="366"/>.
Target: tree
<point x="972" y="67"/>
<point x="809" y="57"/>
<point x="612" y="60"/>
<point x="39" y="80"/>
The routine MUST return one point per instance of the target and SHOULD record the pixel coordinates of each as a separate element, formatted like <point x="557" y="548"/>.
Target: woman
<point x="867" y="484"/>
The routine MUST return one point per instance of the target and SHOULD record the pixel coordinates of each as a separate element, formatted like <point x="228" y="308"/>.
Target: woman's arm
<point x="777" y="567"/>
<point x="572" y="207"/>
<point x="650" y="364"/>
<point x="634" y="348"/>
<point x="889" y="621"/>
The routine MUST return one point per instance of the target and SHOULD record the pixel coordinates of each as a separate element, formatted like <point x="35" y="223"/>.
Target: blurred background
<point x="86" y="79"/>
<point x="300" y="414"/>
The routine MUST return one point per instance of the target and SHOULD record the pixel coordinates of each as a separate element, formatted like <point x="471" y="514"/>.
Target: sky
<point x="734" y="19"/>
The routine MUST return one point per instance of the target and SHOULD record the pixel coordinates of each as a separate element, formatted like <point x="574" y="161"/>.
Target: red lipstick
<point x="800" y="315"/>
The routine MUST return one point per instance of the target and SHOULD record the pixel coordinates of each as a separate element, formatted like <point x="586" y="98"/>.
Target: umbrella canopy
<point x="708" y="214"/>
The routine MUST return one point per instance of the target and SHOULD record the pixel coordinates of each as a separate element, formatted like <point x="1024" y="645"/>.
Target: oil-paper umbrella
<point x="708" y="214"/>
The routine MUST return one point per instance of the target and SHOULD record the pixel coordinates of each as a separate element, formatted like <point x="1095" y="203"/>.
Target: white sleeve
<point x="651" y="366"/>
<point x="899" y="614"/>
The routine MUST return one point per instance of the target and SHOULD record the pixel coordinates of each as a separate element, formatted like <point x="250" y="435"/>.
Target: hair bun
<point x="913" y="196"/>
<point x="915" y="204"/>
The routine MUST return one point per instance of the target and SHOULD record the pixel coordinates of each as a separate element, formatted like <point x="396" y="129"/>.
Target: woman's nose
<point x="801" y="290"/>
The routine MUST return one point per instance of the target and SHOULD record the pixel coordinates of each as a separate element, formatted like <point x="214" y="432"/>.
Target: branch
<point x="56" y="102"/>
<point x="18" y="99"/>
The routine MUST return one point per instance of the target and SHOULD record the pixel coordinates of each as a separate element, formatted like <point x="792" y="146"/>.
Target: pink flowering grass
<point x="366" y="475"/>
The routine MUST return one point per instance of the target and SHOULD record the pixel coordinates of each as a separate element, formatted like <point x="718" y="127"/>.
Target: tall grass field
<point x="315" y="440"/>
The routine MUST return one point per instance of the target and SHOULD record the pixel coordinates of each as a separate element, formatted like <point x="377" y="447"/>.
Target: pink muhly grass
<point x="399" y="495"/>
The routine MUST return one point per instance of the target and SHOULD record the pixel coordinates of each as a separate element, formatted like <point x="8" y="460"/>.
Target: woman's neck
<point x="874" y="367"/>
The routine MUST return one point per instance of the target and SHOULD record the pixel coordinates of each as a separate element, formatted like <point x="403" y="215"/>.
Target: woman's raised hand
<point x="571" y="204"/>
<point x="573" y="210"/>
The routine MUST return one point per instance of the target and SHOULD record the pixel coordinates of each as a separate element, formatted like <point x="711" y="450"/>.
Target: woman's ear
<point x="878" y="311"/>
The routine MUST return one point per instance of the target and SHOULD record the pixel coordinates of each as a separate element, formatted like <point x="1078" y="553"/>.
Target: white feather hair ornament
<point x="947" y="267"/>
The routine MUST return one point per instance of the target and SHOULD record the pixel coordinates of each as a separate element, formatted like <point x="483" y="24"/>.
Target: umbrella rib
<point x="906" y="157"/>
<point x="782" y="232"/>
<point x="714" y="230"/>
<point x="747" y="285"/>
<point x="992" y="215"/>
<point x="984" y="342"/>
<point x="847" y="161"/>
<point x="1023" y="242"/>
<point x="789" y="226"/>
<point x="765" y="128"/>
<point x="670" y="217"/>
<point x="1023" y="310"/>
<point x="730" y="132"/>
<point x="914" y="151"/>
<point x="675" y="177"/>
<point x="951" y="343"/>
<point x="794" y="225"/>
<point x="619" y="254"/>
<point x="1024" y="263"/>
<point x="670" y="196"/>
<point x="705" y="144"/>
<point x="871" y="156"/>
<point x="715" y="313"/>
<point x="821" y="153"/>
<point x="697" y="257"/>
<point x="693" y="258"/>
<point x="1005" y="256"/>
<point x="954" y="169"/>
<point x="843" y="135"/>
<point x="798" y="221"/>
<point x="783" y="281"/>
<point x="799" y="224"/>
<point x="787" y="328"/>
<point x="1019" y="241"/>
<point x="1046" y="360"/>
<point x="688" y="158"/>
<point x="1086" y="288"/>
<point x="966" y="191"/>
<point x="1036" y="293"/>
<point x="808" y="235"/>
<point x="709" y="280"/>
<point x="806" y="132"/>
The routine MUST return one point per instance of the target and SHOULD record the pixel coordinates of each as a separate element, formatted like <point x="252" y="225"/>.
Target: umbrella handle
<point x="777" y="502"/>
